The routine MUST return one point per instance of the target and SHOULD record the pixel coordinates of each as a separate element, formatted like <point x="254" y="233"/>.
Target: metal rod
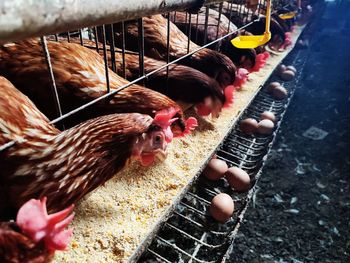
<point x="178" y="249"/>
<point x="218" y="26"/>
<point x="158" y="256"/>
<point x="123" y="49"/>
<point x="51" y="76"/>
<point x="196" y="38"/>
<point x="141" y="47"/>
<point x="112" y="49"/>
<point x="189" y="33"/>
<point x="105" y="58"/>
<point x="186" y="31"/>
<point x="197" y="248"/>
<point x="96" y="40"/>
<point x="42" y="17"/>
<point x="245" y="14"/>
<point x="81" y="37"/>
<point x="190" y="236"/>
<point x="229" y="19"/>
<point x="206" y="25"/>
<point x="167" y="54"/>
<point x="68" y="37"/>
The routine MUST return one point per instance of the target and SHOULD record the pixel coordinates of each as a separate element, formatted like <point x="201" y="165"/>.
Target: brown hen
<point x="184" y="83"/>
<point x="65" y="166"/>
<point x="80" y="78"/>
<point x="240" y="57"/>
<point x="213" y="63"/>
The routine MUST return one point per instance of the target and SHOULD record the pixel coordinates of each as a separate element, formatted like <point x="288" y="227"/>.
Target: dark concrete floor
<point x="301" y="211"/>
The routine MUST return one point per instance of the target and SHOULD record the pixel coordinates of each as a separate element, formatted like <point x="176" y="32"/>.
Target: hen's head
<point x="166" y="125"/>
<point x="34" y="222"/>
<point x="213" y="106"/>
<point x="220" y="67"/>
<point x="287" y="42"/>
<point x="241" y="77"/>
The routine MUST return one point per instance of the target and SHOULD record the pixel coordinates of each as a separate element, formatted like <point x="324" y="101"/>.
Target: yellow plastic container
<point x="288" y="15"/>
<point x="255" y="41"/>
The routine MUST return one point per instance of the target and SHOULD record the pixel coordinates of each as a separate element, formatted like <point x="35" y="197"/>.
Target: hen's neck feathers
<point x="62" y="166"/>
<point x="80" y="77"/>
<point x="66" y="166"/>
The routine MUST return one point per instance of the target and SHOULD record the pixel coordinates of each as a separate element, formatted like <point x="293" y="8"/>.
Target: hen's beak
<point x="161" y="155"/>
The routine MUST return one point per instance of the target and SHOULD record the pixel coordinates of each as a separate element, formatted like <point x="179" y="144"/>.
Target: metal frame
<point x="28" y="18"/>
<point x="109" y="93"/>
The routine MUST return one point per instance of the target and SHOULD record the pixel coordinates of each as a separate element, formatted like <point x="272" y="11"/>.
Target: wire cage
<point x="102" y="39"/>
<point x="188" y="235"/>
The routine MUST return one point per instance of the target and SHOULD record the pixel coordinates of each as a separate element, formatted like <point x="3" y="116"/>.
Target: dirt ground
<point x="301" y="210"/>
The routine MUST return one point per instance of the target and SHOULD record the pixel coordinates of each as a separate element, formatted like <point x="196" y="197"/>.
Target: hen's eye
<point x="158" y="138"/>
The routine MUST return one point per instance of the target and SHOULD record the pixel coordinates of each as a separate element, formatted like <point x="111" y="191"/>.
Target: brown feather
<point x="215" y="30"/>
<point x="18" y="248"/>
<point x="208" y="61"/>
<point x="80" y="77"/>
<point x="63" y="166"/>
<point x="183" y="84"/>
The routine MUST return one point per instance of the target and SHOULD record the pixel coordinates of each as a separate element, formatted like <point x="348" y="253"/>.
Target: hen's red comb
<point x="266" y="55"/>
<point x="241" y="78"/>
<point x="288" y="35"/>
<point x="33" y="220"/>
<point x="260" y="61"/>
<point x="164" y="119"/>
<point x="287" y="42"/>
<point x="191" y="124"/>
<point x="229" y="95"/>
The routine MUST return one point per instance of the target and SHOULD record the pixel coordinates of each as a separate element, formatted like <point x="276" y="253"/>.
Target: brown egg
<point x="280" y="69"/>
<point x="279" y="92"/>
<point x="248" y="126"/>
<point x="265" y="127"/>
<point x="273" y="85"/>
<point x="215" y="169"/>
<point x="238" y="179"/>
<point x="268" y="115"/>
<point x="221" y="207"/>
<point x="292" y="68"/>
<point x="287" y="75"/>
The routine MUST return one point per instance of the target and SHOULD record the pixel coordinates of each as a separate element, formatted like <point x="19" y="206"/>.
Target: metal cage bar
<point x="22" y="18"/>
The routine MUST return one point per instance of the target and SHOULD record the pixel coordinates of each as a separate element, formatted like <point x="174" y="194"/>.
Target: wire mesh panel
<point x="111" y="45"/>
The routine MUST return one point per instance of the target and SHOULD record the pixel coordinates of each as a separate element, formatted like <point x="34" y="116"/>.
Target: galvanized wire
<point x="141" y="62"/>
<point x="51" y="76"/>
